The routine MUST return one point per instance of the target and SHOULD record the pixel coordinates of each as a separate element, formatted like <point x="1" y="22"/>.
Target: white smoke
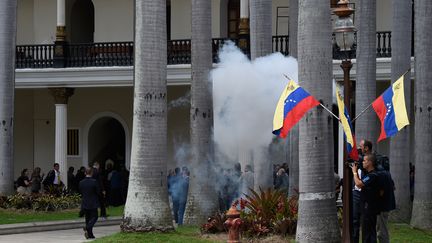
<point x="245" y="94"/>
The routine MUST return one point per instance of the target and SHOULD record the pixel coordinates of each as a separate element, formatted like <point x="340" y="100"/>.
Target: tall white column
<point x="61" y="13"/>
<point x="244" y="9"/>
<point x="61" y="21"/>
<point x="61" y="96"/>
<point x="61" y="140"/>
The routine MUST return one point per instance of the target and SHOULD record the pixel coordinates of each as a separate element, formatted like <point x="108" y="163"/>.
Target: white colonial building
<point x="77" y="109"/>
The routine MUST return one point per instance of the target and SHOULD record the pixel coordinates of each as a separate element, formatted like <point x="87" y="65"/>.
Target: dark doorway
<point x="233" y="18"/>
<point x="106" y="141"/>
<point x="82" y="22"/>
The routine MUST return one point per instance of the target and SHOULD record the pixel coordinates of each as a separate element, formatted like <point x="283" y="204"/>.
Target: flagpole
<point x="367" y="108"/>
<point x="329" y="111"/>
<point x="363" y="111"/>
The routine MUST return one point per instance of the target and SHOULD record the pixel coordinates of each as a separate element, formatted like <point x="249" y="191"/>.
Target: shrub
<point x="215" y="224"/>
<point x="42" y="202"/>
<point x="263" y="212"/>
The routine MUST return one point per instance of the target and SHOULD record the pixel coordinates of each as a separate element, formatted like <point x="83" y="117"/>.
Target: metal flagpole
<point x="367" y="108"/>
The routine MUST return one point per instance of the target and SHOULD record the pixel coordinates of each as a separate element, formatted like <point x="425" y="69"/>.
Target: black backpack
<point x="386" y="196"/>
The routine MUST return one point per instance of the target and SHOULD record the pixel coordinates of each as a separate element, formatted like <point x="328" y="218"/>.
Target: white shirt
<point x="57" y="178"/>
<point x="359" y="172"/>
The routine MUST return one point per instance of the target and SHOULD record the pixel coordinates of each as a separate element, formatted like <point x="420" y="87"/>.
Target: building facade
<point x="88" y="101"/>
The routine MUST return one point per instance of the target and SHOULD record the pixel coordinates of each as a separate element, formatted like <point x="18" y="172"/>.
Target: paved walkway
<point x="71" y="235"/>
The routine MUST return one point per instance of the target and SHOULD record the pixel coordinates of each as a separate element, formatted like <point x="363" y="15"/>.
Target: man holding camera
<point x="369" y="185"/>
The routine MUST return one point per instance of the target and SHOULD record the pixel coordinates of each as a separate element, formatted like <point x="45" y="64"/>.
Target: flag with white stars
<point x="293" y="104"/>
<point x="391" y="109"/>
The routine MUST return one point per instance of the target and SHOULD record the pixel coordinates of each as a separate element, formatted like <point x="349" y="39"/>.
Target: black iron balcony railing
<point x="179" y="52"/>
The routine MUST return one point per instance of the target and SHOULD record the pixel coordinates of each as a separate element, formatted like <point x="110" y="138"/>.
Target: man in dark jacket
<point x="90" y="191"/>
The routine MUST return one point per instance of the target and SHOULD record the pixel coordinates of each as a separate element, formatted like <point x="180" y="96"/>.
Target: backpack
<point x="383" y="161"/>
<point x="387" y="200"/>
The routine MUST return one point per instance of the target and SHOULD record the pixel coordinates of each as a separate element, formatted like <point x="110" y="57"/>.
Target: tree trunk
<point x="202" y="196"/>
<point x="147" y="207"/>
<point x="317" y="220"/>
<point x="260" y="28"/>
<point x="400" y="144"/>
<point x="8" y="15"/>
<point x="366" y="127"/>
<point x="261" y="45"/>
<point x="422" y="205"/>
<point x="292" y="140"/>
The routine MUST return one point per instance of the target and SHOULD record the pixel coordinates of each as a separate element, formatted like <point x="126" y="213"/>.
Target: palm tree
<point x="293" y="142"/>
<point x="261" y="45"/>
<point x="260" y="28"/>
<point x="422" y="205"/>
<point x="147" y="207"/>
<point x="202" y="196"/>
<point x="366" y="127"/>
<point x="399" y="147"/>
<point x="317" y="220"/>
<point x="7" y="85"/>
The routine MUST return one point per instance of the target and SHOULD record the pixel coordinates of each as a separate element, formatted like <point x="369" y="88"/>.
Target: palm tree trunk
<point x="260" y="28"/>
<point x="422" y="205"/>
<point x="202" y="196"/>
<point x="261" y="45"/>
<point x="317" y="220"/>
<point x="366" y="127"/>
<point x="293" y="141"/>
<point x="400" y="144"/>
<point x="8" y="10"/>
<point x="147" y="207"/>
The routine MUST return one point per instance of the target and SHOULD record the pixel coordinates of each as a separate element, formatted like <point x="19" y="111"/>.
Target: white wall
<point x="180" y="19"/>
<point x="44" y="21"/>
<point x="113" y="20"/>
<point x="25" y="22"/>
<point x="23" y="131"/>
<point x="35" y="121"/>
<point x="384" y="15"/>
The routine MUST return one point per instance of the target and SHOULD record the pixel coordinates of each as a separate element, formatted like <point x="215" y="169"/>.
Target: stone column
<point x="61" y="96"/>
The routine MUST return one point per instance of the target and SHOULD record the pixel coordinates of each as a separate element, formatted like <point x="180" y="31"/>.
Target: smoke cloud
<point x="245" y="94"/>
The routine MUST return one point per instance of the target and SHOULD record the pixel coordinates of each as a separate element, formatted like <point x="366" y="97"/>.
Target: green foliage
<point x="269" y="211"/>
<point x="41" y="202"/>
<point x="264" y="212"/>
<point x="215" y="224"/>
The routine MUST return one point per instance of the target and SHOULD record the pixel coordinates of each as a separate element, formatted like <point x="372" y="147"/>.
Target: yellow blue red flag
<point x="293" y="104"/>
<point x="347" y="127"/>
<point x="391" y="110"/>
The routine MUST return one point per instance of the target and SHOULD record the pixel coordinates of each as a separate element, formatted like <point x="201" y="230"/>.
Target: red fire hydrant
<point x="233" y="224"/>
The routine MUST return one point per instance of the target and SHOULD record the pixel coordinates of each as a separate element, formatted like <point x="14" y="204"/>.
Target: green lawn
<point x="401" y="233"/>
<point x="182" y="234"/>
<point x="10" y="216"/>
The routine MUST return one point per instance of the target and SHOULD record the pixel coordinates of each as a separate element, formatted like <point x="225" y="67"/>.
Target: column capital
<point x="61" y="95"/>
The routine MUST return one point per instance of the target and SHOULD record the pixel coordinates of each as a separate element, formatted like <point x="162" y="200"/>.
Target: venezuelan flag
<point x="391" y="110"/>
<point x="347" y="127"/>
<point x="293" y="104"/>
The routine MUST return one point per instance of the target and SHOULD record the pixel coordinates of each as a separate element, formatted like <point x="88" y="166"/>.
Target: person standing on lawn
<point x="90" y="191"/>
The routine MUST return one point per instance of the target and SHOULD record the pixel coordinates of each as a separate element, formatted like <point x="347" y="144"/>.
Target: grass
<point x="10" y="216"/>
<point x="187" y="234"/>
<point x="401" y="233"/>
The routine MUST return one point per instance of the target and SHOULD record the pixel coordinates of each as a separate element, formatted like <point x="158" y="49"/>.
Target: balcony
<point x="121" y="53"/>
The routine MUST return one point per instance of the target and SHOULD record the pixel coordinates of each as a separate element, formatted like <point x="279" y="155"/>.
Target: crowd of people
<point x="113" y="180"/>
